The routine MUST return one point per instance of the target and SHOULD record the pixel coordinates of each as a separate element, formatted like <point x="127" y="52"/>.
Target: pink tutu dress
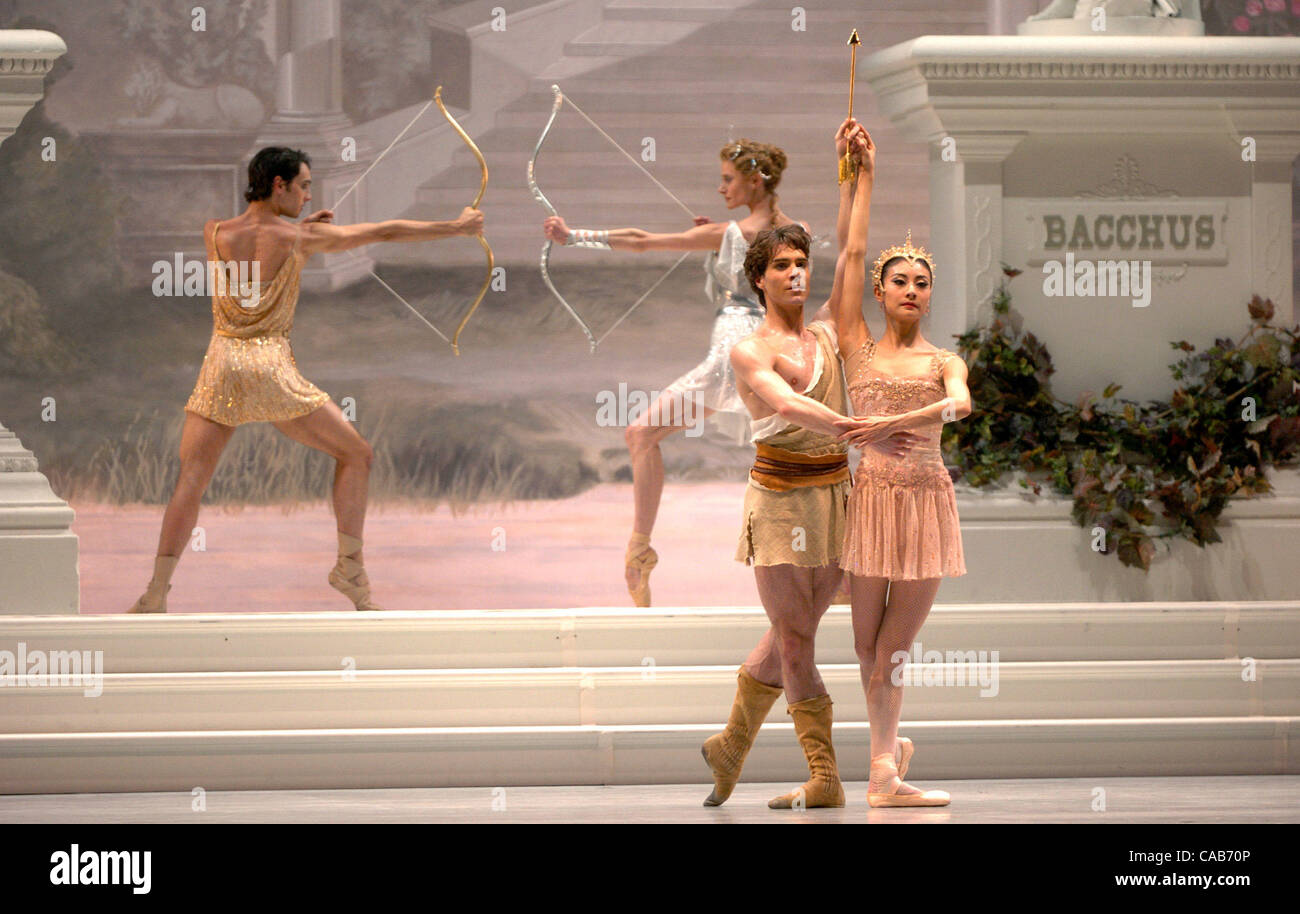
<point x="902" y="515"/>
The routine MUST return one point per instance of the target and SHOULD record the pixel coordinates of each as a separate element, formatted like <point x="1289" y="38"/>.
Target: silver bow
<point x="550" y="210"/>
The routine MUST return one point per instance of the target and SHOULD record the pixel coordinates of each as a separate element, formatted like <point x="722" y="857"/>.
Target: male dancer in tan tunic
<point x="795" y="504"/>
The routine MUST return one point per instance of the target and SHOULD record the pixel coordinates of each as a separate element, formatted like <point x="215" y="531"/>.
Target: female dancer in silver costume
<point x="750" y="172"/>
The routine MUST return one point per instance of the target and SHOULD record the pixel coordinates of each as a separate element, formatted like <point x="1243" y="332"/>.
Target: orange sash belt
<point x="782" y="470"/>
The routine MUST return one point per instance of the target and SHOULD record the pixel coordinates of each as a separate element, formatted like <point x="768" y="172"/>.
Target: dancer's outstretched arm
<point x="957" y="405"/>
<point x="755" y="369"/>
<point x="705" y="237"/>
<point x="320" y="236"/>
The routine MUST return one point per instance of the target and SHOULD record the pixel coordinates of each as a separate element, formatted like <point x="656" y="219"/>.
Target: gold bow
<point x="487" y="248"/>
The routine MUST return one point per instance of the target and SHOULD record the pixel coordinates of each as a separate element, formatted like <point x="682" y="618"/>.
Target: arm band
<point x="588" y="238"/>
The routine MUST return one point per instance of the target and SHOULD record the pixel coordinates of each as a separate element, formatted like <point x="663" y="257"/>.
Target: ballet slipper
<point x="348" y="576"/>
<point x="903" y="750"/>
<point x="884" y="772"/>
<point x="812" y="724"/>
<point x="154" y="599"/>
<point x="642" y="558"/>
<point x="725" y="752"/>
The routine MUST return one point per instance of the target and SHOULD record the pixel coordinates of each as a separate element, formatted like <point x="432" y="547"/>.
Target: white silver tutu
<point x="712" y="383"/>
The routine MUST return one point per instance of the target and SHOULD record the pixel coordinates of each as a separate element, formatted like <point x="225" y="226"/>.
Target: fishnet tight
<point x="887" y="616"/>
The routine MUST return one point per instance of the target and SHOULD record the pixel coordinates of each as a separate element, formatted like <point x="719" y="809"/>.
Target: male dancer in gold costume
<point x="249" y="373"/>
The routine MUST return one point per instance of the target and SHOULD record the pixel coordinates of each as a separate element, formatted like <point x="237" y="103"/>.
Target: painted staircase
<point x="690" y="76"/>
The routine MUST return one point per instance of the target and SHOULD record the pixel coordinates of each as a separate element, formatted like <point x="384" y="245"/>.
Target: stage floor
<point x="1209" y="800"/>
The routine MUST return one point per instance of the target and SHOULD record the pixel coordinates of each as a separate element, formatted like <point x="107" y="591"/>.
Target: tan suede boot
<point x="812" y="724"/>
<point x="726" y="751"/>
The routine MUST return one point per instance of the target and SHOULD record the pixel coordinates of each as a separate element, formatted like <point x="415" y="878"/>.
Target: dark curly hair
<point x="271" y="163"/>
<point x="767" y="243"/>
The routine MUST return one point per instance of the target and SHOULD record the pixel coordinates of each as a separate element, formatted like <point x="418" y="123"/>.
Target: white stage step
<point x="624" y="637"/>
<point x="611" y="695"/>
<point x="627" y="697"/>
<point x="541" y="756"/>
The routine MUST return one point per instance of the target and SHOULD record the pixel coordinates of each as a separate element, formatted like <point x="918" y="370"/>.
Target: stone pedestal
<point x="38" y="550"/>
<point x="1117" y="25"/>
<point x="1171" y="153"/>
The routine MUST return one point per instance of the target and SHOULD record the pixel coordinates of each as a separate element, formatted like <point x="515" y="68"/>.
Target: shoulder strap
<point x="821" y="331"/>
<point x="216" y="228"/>
<point x="941" y="359"/>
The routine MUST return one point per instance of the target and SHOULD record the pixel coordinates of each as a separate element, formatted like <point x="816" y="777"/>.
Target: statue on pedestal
<point x="1082" y="9"/>
<point x="1118" y="17"/>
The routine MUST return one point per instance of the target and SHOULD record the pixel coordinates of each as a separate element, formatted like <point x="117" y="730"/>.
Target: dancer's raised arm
<point x="847" y="305"/>
<point x="826" y="312"/>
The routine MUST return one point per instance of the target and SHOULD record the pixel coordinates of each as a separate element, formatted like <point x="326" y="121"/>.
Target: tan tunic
<point x="803" y="526"/>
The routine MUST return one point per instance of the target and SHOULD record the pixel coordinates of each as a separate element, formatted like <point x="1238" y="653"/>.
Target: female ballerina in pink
<point x="750" y="174"/>
<point x="902" y="533"/>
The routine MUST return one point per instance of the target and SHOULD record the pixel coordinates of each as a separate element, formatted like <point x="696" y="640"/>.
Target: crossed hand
<point x="876" y="432"/>
<point x="853" y="138"/>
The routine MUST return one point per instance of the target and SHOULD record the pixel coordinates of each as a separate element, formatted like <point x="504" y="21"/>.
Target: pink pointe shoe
<point x="888" y="790"/>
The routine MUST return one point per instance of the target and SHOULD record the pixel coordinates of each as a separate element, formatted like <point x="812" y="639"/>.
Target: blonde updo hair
<point x="751" y="157"/>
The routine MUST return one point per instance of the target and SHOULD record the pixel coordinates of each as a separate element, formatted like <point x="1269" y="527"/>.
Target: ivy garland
<point x="1236" y="411"/>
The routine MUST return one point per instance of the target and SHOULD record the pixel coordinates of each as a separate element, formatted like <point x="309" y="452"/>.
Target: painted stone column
<point x="309" y="116"/>
<point x="38" y="550"/>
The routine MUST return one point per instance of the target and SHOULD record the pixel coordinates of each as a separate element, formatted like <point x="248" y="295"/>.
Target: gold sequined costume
<point x="249" y="373"/>
<point x="902" y="521"/>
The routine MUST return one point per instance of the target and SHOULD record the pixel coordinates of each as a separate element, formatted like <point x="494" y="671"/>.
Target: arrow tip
<point x="854" y="39"/>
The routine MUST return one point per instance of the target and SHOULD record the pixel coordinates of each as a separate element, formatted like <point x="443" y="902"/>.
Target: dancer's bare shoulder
<point x="242" y="239"/>
<point x="752" y="352"/>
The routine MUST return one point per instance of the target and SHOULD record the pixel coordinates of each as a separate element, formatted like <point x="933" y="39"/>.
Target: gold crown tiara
<point x="904" y="250"/>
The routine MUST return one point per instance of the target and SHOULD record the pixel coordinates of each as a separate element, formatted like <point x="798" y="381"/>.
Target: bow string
<point x="559" y="100"/>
